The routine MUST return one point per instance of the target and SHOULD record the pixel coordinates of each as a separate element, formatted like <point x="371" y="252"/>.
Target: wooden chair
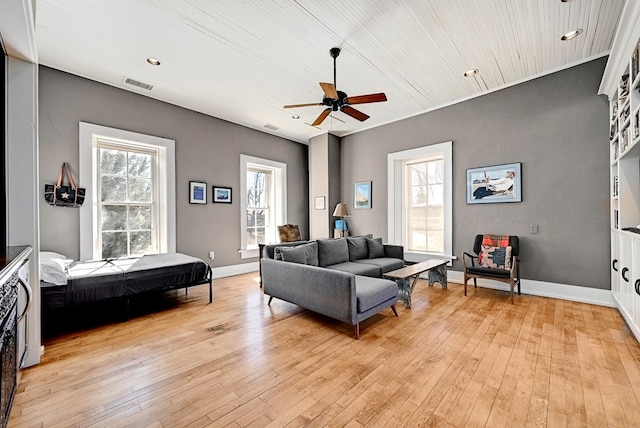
<point x="510" y="276"/>
<point x="289" y="233"/>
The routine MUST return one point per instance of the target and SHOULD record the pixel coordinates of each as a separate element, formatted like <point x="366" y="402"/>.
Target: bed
<point x="65" y="283"/>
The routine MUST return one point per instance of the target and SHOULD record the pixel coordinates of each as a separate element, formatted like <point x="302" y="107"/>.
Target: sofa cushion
<point x="357" y="268"/>
<point x="370" y="292"/>
<point x="293" y="255"/>
<point x="305" y="254"/>
<point x="376" y="249"/>
<point x="269" y="250"/>
<point x="386" y="264"/>
<point x="332" y="251"/>
<point x="357" y="248"/>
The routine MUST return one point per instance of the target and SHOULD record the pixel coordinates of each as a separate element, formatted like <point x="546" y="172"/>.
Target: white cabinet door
<point x="626" y="276"/>
<point x="635" y="289"/>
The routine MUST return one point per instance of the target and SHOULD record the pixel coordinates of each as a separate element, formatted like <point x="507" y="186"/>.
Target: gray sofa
<point x="339" y="278"/>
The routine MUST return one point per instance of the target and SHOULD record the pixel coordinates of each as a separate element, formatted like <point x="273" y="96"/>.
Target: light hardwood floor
<point x="449" y="361"/>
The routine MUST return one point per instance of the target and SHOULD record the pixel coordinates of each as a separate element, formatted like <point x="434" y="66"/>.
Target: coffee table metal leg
<point x="438" y="274"/>
<point x="404" y="292"/>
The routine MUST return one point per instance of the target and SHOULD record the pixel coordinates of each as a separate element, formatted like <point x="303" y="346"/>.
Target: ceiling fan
<point x="337" y="100"/>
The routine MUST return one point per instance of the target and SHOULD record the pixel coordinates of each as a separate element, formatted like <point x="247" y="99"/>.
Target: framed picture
<point x="362" y="195"/>
<point x="221" y="195"/>
<point x="494" y="184"/>
<point x="197" y="192"/>
<point x="319" y="202"/>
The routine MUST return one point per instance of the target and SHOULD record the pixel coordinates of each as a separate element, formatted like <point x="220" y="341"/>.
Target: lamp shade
<point x="341" y="211"/>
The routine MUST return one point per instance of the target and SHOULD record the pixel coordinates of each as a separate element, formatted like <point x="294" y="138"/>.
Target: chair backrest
<point x="514" y="242"/>
<point x="289" y="233"/>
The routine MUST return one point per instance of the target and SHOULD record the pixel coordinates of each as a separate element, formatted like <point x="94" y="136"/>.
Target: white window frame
<point x="278" y="200"/>
<point x="89" y="225"/>
<point x="396" y="197"/>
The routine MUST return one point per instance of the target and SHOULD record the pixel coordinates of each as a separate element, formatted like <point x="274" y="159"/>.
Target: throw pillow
<point x="304" y="253"/>
<point x="294" y="255"/>
<point x="310" y="252"/>
<point x="495" y="257"/>
<point x="376" y="249"/>
<point x="332" y="251"/>
<point x="357" y="248"/>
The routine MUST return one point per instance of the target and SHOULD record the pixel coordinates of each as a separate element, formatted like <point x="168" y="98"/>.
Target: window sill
<point x="250" y="253"/>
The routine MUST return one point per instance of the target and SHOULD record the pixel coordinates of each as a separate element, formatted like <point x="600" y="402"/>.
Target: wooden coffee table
<point x="437" y="273"/>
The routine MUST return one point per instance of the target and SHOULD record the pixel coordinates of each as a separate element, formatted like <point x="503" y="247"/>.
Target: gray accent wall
<point x="207" y="149"/>
<point x="557" y="127"/>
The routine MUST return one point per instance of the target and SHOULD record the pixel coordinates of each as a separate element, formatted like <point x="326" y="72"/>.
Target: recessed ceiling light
<point x="571" y="34"/>
<point x="470" y="73"/>
<point x="295" y="116"/>
<point x="153" y="61"/>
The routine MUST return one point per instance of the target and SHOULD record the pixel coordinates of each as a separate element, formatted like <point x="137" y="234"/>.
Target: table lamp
<point x="341" y="211"/>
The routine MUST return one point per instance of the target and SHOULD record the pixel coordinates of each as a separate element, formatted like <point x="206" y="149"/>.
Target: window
<point x="263" y="202"/>
<point x="258" y="206"/>
<point x="128" y="214"/>
<point x="424" y="213"/>
<point x="420" y="201"/>
<point x="130" y="204"/>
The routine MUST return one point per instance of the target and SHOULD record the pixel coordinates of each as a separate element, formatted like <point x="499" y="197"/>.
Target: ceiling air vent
<point x="271" y="127"/>
<point x="138" y="84"/>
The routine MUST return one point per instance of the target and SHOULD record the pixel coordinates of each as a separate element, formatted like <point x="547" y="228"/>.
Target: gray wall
<point x="207" y="149"/>
<point x="557" y="126"/>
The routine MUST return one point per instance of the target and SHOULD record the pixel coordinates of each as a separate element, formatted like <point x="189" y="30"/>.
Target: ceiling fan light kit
<point x="335" y="100"/>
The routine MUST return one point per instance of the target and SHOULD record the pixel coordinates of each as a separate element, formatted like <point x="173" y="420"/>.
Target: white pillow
<point x="54" y="271"/>
<point x="46" y="255"/>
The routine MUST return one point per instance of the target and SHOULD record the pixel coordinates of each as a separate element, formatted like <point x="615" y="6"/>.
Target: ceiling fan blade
<point x="371" y="98"/>
<point x="302" y="105"/>
<point x="322" y="117"/>
<point x="356" y="114"/>
<point x="329" y="90"/>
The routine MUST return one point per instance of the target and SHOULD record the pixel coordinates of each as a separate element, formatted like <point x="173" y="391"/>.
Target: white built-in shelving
<point x="625" y="192"/>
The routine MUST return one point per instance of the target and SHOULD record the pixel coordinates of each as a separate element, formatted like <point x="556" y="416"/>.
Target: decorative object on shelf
<point x="341" y="211"/>
<point x="62" y="195"/>
<point x="494" y="184"/>
<point x="221" y="195"/>
<point x="197" y="192"/>
<point x="362" y="195"/>
<point x="319" y="202"/>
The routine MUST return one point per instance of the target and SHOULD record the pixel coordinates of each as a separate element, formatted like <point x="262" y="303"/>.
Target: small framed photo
<point x="494" y="184"/>
<point x="362" y="195"/>
<point x="197" y="192"/>
<point x="319" y="202"/>
<point x="221" y="195"/>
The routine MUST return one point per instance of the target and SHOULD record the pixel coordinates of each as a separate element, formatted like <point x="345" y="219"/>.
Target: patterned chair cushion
<point x="495" y="257"/>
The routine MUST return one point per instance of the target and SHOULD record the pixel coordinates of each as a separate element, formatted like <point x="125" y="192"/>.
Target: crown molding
<point x="624" y="43"/>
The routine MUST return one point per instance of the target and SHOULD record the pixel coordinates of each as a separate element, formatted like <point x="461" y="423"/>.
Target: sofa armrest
<point x="395" y="251"/>
<point x="326" y="291"/>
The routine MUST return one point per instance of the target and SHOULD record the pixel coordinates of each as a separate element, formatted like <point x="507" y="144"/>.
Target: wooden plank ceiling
<point x="242" y="61"/>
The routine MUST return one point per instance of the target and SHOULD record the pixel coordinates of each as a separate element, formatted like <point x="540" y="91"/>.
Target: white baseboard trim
<point x="232" y="270"/>
<point x="574" y="293"/>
